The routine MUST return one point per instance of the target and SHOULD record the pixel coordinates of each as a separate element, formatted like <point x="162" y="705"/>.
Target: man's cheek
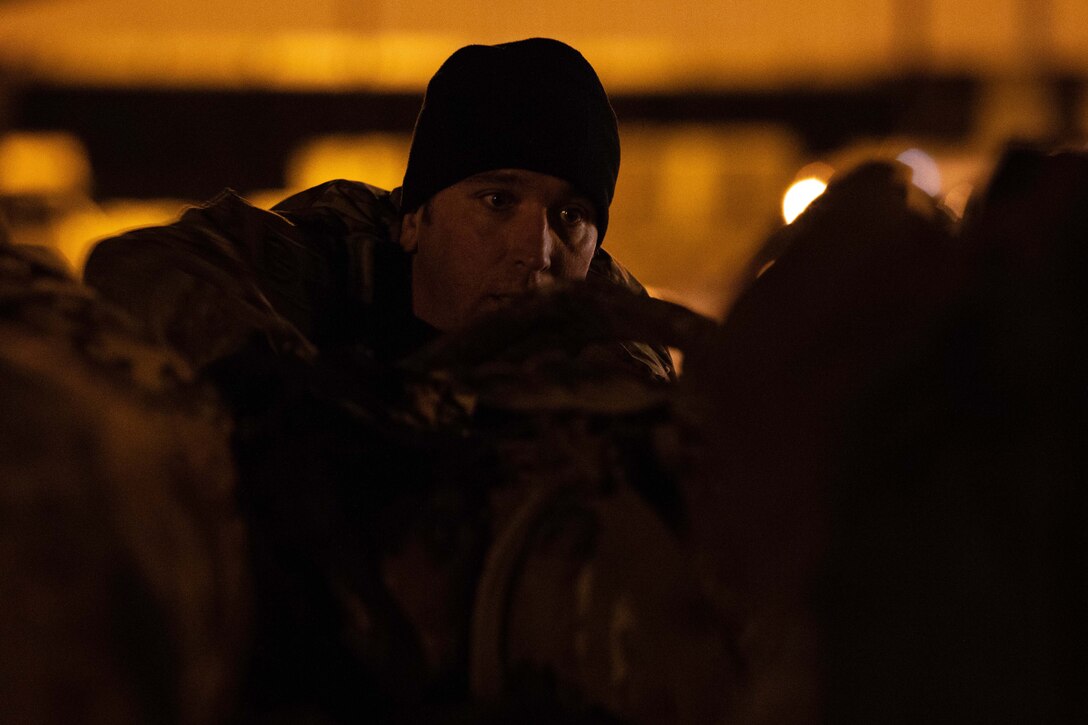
<point x="571" y="265"/>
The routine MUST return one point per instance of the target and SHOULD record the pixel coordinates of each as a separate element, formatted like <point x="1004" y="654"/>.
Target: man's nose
<point x="534" y="241"/>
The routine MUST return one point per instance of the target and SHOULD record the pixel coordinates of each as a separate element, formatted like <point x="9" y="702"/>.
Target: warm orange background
<point x="694" y="200"/>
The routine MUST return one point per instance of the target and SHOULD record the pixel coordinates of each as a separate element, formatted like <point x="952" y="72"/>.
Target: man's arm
<point x="221" y="275"/>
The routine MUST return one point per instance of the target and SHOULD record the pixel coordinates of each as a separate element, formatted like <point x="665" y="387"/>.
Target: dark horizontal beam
<point x="189" y="144"/>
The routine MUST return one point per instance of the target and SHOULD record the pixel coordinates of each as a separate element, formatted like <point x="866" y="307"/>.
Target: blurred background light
<point x="800" y="194"/>
<point x="955" y="201"/>
<point x="377" y="158"/>
<point x="35" y="163"/>
<point x="122" y="111"/>
<point x="77" y="229"/>
<point x="926" y="174"/>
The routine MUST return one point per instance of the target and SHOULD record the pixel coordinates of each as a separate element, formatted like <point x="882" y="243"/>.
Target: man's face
<point x="486" y="239"/>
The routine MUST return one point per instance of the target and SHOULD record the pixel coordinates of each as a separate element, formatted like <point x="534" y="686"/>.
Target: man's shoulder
<point x="353" y="206"/>
<point x="227" y="269"/>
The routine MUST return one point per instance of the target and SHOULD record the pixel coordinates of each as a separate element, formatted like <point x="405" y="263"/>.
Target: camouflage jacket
<point x="318" y="270"/>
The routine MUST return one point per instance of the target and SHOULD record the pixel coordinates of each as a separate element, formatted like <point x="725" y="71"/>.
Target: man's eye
<point x="497" y="200"/>
<point x="571" y="215"/>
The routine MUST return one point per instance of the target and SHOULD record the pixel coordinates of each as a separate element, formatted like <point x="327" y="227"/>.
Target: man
<point x="510" y="176"/>
<point x="299" y="315"/>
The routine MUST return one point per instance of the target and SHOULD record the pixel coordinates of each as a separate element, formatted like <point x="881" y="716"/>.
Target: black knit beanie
<point x="533" y="104"/>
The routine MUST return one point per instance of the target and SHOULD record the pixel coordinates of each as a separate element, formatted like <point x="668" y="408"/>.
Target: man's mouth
<point x="503" y="298"/>
<point x="498" y="300"/>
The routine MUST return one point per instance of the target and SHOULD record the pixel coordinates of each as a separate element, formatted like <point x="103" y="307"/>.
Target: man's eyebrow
<point x="516" y="180"/>
<point x="497" y="177"/>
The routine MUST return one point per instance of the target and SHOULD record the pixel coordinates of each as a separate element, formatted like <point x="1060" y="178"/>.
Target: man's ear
<point x="409" y="230"/>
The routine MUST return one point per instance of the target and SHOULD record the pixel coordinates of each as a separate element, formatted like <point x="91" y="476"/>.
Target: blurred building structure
<point x="721" y="104"/>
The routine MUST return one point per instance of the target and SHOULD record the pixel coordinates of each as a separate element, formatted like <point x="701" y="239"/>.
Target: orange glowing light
<point x="378" y="159"/>
<point x="956" y="200"/>
<point x="81" y="228"/>
<point x="800" y="194"/>
<point x="42" y="164"/>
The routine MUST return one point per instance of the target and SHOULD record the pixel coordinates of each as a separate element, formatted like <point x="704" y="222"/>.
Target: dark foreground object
<point x="122" y="559"/>
<point x="863" y="502"/>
